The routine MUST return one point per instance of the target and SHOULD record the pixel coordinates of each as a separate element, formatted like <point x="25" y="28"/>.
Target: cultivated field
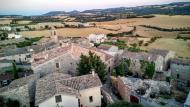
<point x="68" y="32"/>
<point x="24" y="22"/>
<point x="148" y="32"/>
<point x="164" y="21"/>
<point x="5" y="21"/>
<point x="181" y="47"/>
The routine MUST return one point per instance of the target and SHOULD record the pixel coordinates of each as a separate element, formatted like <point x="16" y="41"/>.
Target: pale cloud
<point x="40" y="6"/>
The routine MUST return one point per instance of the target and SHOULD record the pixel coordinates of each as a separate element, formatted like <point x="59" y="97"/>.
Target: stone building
<point x="166" y="54"/>
<point x="97" y="38"/>
<point x="136" y="57"/>
<point x="57" y="89"/>
<point x="180" y="68"/>
<point x="113" y="51"/>
<point x="22" y="90"/>
<point x="18" y="55"/>
<point x="65" y="58"/>
<point x="139" y="91"/>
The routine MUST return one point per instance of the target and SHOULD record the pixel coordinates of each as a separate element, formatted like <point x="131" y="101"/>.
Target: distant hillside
<point x="10" y="16"/>
<point x="177" y="8"/>
<point x="55" y="13"/>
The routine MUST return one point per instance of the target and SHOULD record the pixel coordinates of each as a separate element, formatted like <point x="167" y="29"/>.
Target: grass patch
<point x="119" y="43"/>
<point x="28" y="42"/>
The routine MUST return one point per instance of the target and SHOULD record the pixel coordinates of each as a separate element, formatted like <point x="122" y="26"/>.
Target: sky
<point x="38" y="7"/>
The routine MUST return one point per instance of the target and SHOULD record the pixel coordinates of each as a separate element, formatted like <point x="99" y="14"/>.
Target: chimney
<point x="93" y="72"/>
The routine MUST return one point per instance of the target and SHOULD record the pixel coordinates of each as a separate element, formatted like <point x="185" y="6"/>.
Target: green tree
<point x="92" y="62"/>
<point x="124" y="104"/>
<point x="8" y="102"/>
<point x="121" y="69"/>
<point x="15" y="72"/>
<point x="148" y="68"/>
<point x="3" y="36"/>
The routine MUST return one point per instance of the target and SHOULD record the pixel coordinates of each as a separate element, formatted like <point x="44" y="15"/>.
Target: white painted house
<point x="97" y="38"/>
<point x="62" y="90"/>
<point x="5" y="28"/>
<point x="14" y="36"/>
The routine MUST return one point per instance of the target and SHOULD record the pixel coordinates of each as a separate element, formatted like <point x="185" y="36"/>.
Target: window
<point x="91" y="99"/>
<point x="58" y="99"/>
<point x="177" y="76"/>
<point x="57" y="65"/>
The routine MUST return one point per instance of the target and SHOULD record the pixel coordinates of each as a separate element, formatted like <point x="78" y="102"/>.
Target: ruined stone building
<point x="136" y="57"/>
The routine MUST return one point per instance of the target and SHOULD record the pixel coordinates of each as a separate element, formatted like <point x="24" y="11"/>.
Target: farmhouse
<point x="58" y="89"/>
<point x="166" y="54"/>
<point x="5" y="28"/>
<point x="97" y="38"/>
<point x="180" y="68"/>
<point x="18" y="55"/>
<point x="135" y="59"/>
<point x="14" y="36"/>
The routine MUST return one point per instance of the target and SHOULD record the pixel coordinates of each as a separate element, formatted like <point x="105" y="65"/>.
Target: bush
<point x="124" y="104"/>
<point x="28" y="42"/>
<point x="141" y="42"/>
<point x="146" y="44"/>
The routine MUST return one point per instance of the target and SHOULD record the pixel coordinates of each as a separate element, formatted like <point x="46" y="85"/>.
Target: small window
<point x="57" y="65"/>
<point x="177" y="76"/>
<point x="58" y="99"/>
<point x="91" y="99"/>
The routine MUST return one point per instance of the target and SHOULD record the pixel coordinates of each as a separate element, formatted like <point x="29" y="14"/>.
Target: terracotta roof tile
<point x="57" y="83"/>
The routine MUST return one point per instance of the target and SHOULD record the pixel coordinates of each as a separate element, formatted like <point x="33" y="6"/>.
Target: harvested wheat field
<point x="5" y="21"/>
<point x="164" y="21"/>
<point x="68" y="32"/>
<point x="24" y="22"/>
<point x="148" y="32"/>
<point x="181" y="47"/>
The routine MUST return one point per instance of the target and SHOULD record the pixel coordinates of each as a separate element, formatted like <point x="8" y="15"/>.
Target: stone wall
<point x="183" y="71"/>
<point x="124" y="92"/>
<point x="167" y="58"/>
<point x="20" y="94"/>
<point x="66" y="65"/>
<point x="18" y="58"/>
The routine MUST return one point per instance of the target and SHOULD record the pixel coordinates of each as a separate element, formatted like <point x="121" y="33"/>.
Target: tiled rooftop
<point x="19" y="82"/>
<point x="56" y="52"/>
<point x="57" y="83"/>
<point x="49" y="54"/>
<point x="140" y="56"/>
<point x="159" y="52"/>
<point x="180" y="61"/>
